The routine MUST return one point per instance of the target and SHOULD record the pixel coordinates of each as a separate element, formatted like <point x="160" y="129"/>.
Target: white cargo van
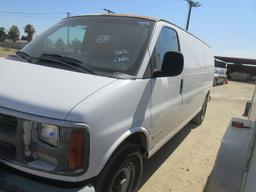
<point x="92" y="96"/>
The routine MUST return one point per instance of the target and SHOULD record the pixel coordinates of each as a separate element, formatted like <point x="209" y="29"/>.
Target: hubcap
<point x="123" y="180"/>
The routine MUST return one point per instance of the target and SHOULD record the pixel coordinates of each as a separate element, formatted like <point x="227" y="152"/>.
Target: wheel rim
<point x="123" y="179"/>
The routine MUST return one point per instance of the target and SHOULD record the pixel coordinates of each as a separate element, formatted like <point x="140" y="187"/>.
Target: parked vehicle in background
<point x="219" y="76"/>
<point x="94" y="95"/>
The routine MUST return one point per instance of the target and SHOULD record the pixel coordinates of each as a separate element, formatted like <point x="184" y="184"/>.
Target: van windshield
<point x="104" y="44"/>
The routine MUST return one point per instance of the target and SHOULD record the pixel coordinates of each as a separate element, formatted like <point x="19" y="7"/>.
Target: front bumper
<point x="10" y="181"/>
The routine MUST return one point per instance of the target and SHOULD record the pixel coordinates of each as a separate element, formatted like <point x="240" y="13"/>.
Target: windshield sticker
<point x="102" y="39"/>
<point x="121" y="59"/>
<point x="143" y="23"/>
<point x="121" y="52"/>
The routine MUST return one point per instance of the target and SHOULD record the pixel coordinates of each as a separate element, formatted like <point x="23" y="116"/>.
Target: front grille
<point x="20" y="143"/>
<point x="7" y="150"/>
<point x="8" y="124"/>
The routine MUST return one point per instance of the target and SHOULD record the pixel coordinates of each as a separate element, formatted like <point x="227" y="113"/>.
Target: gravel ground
<point x="186" y="161"/>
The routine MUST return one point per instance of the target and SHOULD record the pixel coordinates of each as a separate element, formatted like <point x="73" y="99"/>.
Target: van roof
<point x="141" y="17"/>
<point x="120" y="15"/>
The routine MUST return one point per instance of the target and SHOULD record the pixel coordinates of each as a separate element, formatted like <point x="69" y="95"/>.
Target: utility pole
<point x="68" y="14"/>
<point x="68" y="29"/>
<point x="109" y="11"/>
<point x="191" y="5"/>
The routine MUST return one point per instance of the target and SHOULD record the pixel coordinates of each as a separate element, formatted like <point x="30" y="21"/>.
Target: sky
<point x="228" y="26"/>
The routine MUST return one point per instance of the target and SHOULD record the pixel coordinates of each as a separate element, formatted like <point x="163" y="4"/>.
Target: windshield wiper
<point x="23" y="56"/>
<point x="66" y="61"/>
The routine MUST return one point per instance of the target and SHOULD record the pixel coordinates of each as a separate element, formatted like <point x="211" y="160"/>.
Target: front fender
<point x="123" y="138"/>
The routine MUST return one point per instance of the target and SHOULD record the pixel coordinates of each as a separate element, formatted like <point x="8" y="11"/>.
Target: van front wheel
<point x="123" y="172"/>
<point x="199" y="118"/>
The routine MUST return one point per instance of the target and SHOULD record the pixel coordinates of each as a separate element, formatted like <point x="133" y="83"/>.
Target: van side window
<point x="167" y="41"/>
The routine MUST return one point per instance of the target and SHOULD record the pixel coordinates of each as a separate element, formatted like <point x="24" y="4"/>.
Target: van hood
<point x="45" y="91"/>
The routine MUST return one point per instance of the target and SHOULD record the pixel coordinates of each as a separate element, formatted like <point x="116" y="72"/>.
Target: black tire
<point x="199" y="118"/>
<point x="123" y="171"/>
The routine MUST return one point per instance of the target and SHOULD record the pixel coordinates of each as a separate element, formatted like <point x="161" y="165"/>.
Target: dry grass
<point x="6" y="51"/>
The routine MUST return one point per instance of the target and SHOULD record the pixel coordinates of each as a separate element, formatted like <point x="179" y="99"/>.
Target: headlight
<point x="60" y="148"/>
<point x="49" y="134"/>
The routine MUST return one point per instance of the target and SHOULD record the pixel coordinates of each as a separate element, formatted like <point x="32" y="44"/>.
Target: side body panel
<point x="165" y="107"/>
<point x="198" y="74"/>
<point x="197" y="79"/>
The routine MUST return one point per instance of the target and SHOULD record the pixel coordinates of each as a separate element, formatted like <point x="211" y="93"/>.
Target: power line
<point x="34" y="16"/>
<point x="31" y="13"/>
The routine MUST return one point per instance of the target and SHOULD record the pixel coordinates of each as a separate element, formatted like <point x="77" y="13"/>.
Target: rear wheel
<point x="199" y="118"/>
<point x="123" y="172"/>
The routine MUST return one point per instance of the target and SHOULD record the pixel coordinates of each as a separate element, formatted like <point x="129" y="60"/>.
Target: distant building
<point x="239" y="69"/>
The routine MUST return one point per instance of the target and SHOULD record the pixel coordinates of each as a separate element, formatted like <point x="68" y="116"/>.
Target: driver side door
<point x="166" y="96"/>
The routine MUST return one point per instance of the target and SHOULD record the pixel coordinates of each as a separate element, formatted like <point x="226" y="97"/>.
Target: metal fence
<point x="10" y="44"/>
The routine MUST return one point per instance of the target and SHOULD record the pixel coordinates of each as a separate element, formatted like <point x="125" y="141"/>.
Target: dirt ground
<point x="186" y="161"/>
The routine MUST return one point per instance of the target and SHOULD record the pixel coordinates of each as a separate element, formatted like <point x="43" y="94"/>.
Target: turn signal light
<point x="76" y="149"/>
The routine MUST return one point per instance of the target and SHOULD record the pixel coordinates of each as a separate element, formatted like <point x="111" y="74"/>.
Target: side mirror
<point x="172" y="65"/>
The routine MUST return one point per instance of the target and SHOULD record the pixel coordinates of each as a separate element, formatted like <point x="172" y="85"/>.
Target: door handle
<point x="181" y="86"/>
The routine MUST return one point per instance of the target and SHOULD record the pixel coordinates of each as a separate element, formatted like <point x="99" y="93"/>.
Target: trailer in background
<point x="238" y="69"/>
<point x="235" y="166"/>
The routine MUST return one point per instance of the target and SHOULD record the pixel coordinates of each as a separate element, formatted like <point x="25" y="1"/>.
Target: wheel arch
<point x="139" y="136"/>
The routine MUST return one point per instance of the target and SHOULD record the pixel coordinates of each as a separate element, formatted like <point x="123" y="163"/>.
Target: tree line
<point x="14" y="33"/>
